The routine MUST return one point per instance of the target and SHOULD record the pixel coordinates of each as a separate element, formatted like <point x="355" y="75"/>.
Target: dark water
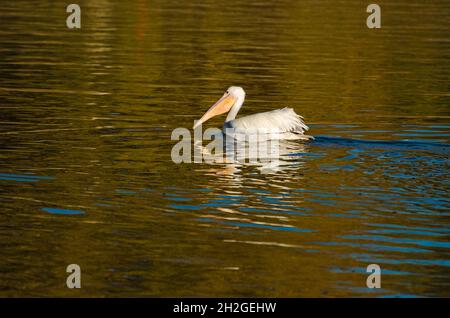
<point x="86" y="175"/>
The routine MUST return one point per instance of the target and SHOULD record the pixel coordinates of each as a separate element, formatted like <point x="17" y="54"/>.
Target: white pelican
<point x="280" y="123"/>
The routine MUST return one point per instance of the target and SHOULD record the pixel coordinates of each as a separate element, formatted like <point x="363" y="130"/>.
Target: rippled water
<point x="86" y="175"/>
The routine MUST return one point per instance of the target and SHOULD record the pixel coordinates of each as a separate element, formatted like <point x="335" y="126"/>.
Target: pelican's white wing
<point x="282" y="122"/>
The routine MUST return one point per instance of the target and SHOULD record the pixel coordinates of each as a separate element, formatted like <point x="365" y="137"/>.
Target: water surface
<point x="86" y="175"/>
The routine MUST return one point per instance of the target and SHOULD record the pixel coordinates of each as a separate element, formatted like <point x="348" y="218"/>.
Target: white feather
<point x="282" y="122"/>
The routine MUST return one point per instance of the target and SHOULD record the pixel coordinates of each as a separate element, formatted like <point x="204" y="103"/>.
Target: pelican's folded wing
<point x="276" y="121"/>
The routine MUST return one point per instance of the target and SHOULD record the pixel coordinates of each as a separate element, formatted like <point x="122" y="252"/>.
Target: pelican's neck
<point x="235" y="109"/>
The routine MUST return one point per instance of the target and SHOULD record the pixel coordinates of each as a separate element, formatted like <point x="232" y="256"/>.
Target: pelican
<point x="281" y="123"/>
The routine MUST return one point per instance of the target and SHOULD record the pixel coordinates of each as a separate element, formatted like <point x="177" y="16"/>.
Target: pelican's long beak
<point x="223" y="105"/>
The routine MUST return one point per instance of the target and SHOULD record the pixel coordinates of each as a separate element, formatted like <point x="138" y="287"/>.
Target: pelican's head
<point x="234" y="95"/>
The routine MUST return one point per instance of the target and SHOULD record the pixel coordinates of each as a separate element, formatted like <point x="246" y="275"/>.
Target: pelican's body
<point x="279" y="124"/>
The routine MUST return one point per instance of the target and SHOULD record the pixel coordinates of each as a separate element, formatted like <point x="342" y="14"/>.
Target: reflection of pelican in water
<point x="280" y="123"/>
<point x="286" y="155"/>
